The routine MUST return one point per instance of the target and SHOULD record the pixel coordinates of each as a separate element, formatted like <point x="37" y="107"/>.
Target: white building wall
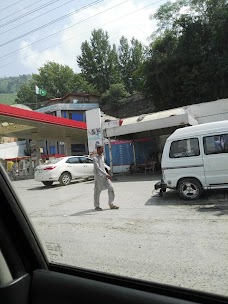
<point x="58" y="113"/>
<point x="12" y="150"/>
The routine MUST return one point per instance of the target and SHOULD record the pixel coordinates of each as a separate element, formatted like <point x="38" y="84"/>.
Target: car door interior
<point x="27" y="277"/>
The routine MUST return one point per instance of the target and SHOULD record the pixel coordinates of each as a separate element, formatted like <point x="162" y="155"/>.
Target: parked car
<point x="64" y="169"/>
<point x="196" y="158"/>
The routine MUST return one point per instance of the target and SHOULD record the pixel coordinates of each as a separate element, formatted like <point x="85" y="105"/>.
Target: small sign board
<point x="94" y="131"/>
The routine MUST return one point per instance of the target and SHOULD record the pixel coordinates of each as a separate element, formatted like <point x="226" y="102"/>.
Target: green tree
<point x="58" y="80"/>
<point x="113" y="95"/>
<point x="81" y="85"/>
<point x="99" y="61"/>
<point x="131" y="57"/>
<point x="168" y="15"/>
<point x="138" y="56"/>
<point x="55" y="78"/>
<point x="125" y="61"/>
<point x="26" y="94"/>
<point x="188" y="55"/>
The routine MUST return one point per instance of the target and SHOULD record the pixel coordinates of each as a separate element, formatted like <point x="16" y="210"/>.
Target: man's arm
<point x="97" y="167"/>
<point x="107" y="169"/>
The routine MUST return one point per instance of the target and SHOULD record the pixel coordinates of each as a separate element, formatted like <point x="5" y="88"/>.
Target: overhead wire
<point x="67" y="40"/>
<point x="28" y="13"/>
<point x="12" y="28"/>
<point x="67" y="28"/>
<point x="20" y="10"/>
<point x="50" y="23"/>
<point x="10" y="5"/>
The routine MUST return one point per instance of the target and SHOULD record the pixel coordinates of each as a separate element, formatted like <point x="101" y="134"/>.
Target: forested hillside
<point x="9" y="87"/>
<point x="8" y="98"/>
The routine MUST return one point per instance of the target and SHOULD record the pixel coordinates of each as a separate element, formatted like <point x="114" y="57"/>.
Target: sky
<point x="33" y="32"/>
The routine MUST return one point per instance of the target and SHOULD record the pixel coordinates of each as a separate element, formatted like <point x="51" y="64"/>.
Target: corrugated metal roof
<point x="152" y="116"/>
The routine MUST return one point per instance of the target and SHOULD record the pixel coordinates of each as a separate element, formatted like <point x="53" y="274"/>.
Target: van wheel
<point x="189" y="189"/>
<point x="65" y="179"/>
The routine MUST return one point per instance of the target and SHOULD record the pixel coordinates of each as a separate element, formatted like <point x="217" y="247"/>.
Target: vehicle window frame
<point x="224" y="151"/>
<point x="89" y="161"/>
<point x="185" y="156"/>
<point x="26" y="249"/>
<point x="72" y="163"/>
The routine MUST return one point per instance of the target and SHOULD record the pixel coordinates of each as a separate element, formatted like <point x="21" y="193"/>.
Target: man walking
<point x="102" y="180"/>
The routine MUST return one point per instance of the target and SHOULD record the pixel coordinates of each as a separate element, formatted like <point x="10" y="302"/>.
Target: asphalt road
<point x="164" y="240"/>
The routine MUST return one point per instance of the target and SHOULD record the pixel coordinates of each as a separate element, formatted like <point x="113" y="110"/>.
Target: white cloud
<point x="34" y="59"/>
<point x="136" y="24"/>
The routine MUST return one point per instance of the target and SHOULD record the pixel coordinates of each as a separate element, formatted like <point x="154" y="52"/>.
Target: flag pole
<point x="36" y="87"/>
<point x="36" y="95"/>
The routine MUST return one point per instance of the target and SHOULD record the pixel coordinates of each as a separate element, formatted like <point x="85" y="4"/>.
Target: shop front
<point x="136" y="145"/>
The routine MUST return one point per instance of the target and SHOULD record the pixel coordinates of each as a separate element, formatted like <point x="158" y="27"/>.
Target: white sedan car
<point x="64" y="169"/>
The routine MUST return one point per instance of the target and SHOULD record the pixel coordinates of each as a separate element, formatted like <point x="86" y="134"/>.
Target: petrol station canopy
<point x="21" y="123"/>
<point x="153" y="121"/>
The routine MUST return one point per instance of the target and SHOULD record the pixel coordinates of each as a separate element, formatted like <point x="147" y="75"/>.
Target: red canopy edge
<point x="9" y="111"/>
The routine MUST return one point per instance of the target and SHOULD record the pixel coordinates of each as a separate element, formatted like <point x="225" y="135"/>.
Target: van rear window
<point x="184" y="148"/>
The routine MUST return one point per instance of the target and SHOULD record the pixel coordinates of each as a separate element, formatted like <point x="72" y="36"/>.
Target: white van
<point x="195" y="158"/>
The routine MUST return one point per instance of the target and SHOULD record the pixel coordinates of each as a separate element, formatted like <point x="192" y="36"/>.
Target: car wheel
<point x="48" y="184"/>
<point x="189" y="189"/>
<point x="65" y="179"/>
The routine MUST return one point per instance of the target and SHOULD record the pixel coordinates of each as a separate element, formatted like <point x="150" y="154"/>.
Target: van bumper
<point x="160" y="185"/>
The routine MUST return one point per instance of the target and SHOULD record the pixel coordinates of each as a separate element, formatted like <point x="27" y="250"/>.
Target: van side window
<point x="184" y="148"/>
<point x="215" y="144"/>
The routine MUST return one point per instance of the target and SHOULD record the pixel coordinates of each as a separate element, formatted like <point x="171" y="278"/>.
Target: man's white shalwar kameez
<point x="101" y="181"/>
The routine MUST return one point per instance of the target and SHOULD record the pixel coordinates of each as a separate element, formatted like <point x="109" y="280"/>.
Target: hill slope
<point x="9" y="87"/>
<point x="8" y="99"/>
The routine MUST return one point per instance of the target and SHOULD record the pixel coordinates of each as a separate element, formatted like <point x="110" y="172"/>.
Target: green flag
<point x="43" y="92"/>
<point x="39" y="91"/>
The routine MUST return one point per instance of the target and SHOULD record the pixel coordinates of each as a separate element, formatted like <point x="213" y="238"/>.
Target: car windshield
<point x="90" y="93"/>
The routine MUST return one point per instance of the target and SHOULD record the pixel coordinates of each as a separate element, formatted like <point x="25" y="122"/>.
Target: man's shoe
<point x="114" y="207"/>
<point x="98" y="209"/>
